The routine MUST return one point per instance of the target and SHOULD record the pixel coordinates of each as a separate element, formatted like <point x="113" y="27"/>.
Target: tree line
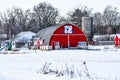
<point x="107" y="22"/>
<point x="45" y="15"/>
<point x="16" y="19"/>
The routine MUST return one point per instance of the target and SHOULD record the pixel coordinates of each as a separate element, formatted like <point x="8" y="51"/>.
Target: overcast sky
<point x="63" y="5"/>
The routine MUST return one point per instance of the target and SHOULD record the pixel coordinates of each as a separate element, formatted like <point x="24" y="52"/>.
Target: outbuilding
<point x="23" y="39"/>
<point x="24" y="36"/>
<point x="64" y="36"/>
<point x="117" y="40"/>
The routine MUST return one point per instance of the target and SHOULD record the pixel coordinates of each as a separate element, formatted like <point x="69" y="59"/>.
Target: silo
<point x="87" y="24"/>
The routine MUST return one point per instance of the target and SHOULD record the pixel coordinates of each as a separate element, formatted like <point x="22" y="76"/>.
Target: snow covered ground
<point x="100" y="64"/>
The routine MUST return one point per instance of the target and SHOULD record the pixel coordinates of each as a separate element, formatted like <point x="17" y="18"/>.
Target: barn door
<point x="73" y="40"/>
<point x="53" y="44"/>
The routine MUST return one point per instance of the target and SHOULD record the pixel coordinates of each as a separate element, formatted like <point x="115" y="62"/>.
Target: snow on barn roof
<point x="24" y="36"/>
<point x="46" y="33"/>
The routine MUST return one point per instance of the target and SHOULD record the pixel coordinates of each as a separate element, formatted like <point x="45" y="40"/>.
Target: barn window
<point x="82" y="43"/>
<point x="57" y="44"/>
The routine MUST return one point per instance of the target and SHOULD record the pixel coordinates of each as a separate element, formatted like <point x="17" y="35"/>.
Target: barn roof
<point x="46" y="33"/>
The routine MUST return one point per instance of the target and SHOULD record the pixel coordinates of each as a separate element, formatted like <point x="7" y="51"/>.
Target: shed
<point x="66" y="36"/>
<point x="24" y="36"/>
<point x="117" y="40"/>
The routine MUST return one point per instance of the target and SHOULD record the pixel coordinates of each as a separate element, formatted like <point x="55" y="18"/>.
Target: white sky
<point x="63" y="5"/>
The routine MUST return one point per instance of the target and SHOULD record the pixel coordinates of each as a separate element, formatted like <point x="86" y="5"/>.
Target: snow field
<point x="102" y="64"/>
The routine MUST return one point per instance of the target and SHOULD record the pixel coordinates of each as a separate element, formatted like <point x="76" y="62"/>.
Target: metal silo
<point x="87" y="24"/>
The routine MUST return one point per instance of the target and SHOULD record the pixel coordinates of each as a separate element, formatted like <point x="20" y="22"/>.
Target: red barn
<point x="65" y="36"/>
<point x="117" y="40"/>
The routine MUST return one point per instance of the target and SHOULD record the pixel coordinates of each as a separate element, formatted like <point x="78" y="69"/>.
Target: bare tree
<point x="62" y="20"/>
<point x="15" y="20"/>
<point x="109" y="16"/>
<point x="98" y="19"/>
<point x="98" y="23"/>
<point x="32" y="25"/>
<point x="45" y="14"/>
<point x="4" y="20"/>
<point x="24" y="19"/>
<point x="107" y="21"/>
<point x="76" y="15"/>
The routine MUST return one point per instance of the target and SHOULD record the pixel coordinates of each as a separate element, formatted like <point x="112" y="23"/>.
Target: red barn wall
<point x="62" y="38"/>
